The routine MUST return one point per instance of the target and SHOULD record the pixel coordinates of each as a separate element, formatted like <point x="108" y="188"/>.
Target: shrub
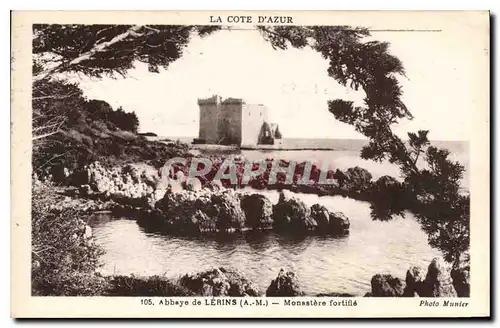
<point x="64" y="260"/>
<point x="148" y="286"/>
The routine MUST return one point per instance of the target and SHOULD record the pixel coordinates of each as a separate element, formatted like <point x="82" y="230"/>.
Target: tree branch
<point x="54" y="96"/>
<point x="87" y="55"/>
<point x="45" y="135"/>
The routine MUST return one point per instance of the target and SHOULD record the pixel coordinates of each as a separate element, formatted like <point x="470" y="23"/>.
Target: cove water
<point x="322" y="264"/>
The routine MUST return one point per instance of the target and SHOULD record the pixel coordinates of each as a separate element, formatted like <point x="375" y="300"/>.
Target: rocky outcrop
<point x="386" y="182"/>
<point x="226" y="207"/>
<point x="357" y="180"/>
<point x="339" y="223"/>
<point x="132" y="181"/>
<point x="388" y="198"/>
<point x="192" y="184"/>
<point x="218" y="282"/>
<point x="438" y="280"/>
<point x="321" y="215"/>
<point x="460" y="275"/>
<point x="202" y="211"/>
<point x="192" y="205"/>
<point x="153" y="198"/>
<point x="329" y="222"/>
<point x="461" y="281"/>
<point x="285" y="284"/>
<point x="258" y="211"/>
<point x="385" y="285"/>
<point x="415" y="282"/>
<point x="291" y="213"/>
<point x="334" y="294"/>
<point x="214" y="185"/>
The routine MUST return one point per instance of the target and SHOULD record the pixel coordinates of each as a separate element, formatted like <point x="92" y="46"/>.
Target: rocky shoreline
<point x="437" y="282"/>
<point x="192" y="207"/>
<point x="196" y="206"/>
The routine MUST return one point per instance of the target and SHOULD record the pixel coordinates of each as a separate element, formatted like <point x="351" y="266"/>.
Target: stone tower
<point x="230" y="121"/>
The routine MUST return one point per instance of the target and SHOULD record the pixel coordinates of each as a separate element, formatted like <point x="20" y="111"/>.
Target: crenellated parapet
<point x="233" y="101"/>
<point x="217" y="100"/>
<point x="214" y="100"/>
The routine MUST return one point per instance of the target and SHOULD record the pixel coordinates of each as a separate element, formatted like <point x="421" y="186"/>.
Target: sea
<point x="322" y="264"/>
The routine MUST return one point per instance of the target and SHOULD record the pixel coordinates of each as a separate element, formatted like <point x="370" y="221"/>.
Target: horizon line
<point x="312" y="138"/>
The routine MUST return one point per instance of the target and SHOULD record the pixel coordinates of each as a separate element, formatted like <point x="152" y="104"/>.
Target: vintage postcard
<point x="250" y="164"/>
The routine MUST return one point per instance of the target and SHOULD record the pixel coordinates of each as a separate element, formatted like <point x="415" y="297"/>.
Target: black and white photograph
<point x="255" y="156"/>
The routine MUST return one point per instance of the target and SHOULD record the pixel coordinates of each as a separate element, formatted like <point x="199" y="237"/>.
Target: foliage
<point x="430" y="190"/>
<point x="97" y="50"/>
<point x="91" y="131"/>
<point x="70" y="130"/>
<point x="63" y="259"/>
<point x="148" y="286"/>
<point x="99" y="110"/>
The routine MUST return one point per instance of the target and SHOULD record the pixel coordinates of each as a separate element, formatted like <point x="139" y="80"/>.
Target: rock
<point x="177" y="209"/>
<point x="202" y="211"/>
<point x="385" y="285"/>
<point x="130" y="182"/>
<point x="192" y="184"/>
<point x="388" y="198"/>
<point x="329" y="222"/>
<point x="145" y="172"/>
<point x="85" y="190"/>
<point x="88" y="232"/>
<point x="180" y="176"/>
<point x="335" y="295"/>
<point x="357" y="179"/>
<point x="292" y="213"/>
<point x="215" y="185"/>
<point x="461" y="281"/>
<point x="59" y="174"/>
<point x="162" y="182"/>
<point x="339" y="223"/>
<point x="202" y="222"/>
<point x="340" y="177"/>
<point x="194" y="152"/>
<point x="226" y="208"/>
<point x="219" y="282"/>
<point x="258" y="211"/>
<point x="460" y="275"/>
<point x="175" y="186"/>
<point x="415" y="282"/>
<point x="321" y="215"/>
<point x="154" y="197"/>
<point x="438" y="280"/>
<point x="285" y="284"/>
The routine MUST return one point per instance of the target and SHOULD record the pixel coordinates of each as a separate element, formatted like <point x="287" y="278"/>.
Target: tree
<point x="432" y="190"/>
<point x="97" y="50"/>
<point x="125" y="121"/>
<point x="93" y="50"/>
<point x="53" y="105"/>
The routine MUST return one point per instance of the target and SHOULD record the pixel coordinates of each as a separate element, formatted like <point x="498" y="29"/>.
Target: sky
<point x="294" y="85"/>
